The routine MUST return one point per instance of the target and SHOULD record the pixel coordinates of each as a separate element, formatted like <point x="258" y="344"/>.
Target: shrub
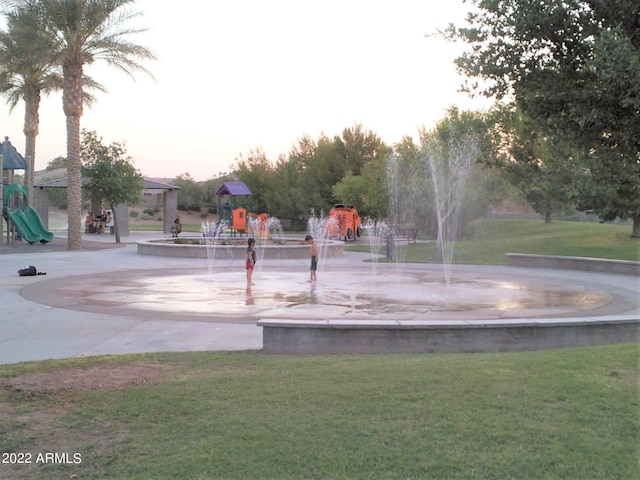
<point x="151" y="211"/>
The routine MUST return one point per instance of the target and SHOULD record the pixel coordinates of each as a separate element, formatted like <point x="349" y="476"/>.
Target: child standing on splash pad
<point x="313" y="250"/>
<point x="251" y="260"/>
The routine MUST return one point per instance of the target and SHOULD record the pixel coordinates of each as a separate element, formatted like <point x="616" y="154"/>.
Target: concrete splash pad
<point x="362" y="309"/>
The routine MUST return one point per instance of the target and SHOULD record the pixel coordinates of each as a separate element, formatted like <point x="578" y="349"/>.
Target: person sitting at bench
<point x="177" y="227"/>
<point x="102" y="222"/>
<point x="88" y="223"/>
<point x="110" y="222"/>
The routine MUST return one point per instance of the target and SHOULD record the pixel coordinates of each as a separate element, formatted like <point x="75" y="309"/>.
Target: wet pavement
<point x="108" y="299"/>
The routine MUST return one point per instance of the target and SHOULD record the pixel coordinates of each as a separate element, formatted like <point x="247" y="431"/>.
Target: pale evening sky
<point x="242" y="75"/>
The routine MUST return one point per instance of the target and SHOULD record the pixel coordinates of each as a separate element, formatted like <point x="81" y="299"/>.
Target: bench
<point x="405" y="235"/>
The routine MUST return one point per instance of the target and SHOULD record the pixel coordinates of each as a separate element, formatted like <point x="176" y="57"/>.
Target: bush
<point x="133" y="213"/>
<point x="146" y="216"/>
<point x="187" y="241"/>
<point x="151" y="211"/>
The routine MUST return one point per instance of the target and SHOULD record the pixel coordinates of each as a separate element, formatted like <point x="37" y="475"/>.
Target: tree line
<point x="565" y="75"/>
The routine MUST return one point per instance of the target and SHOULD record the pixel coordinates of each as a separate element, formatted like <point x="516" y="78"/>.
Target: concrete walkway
<point x="33" y="329"/>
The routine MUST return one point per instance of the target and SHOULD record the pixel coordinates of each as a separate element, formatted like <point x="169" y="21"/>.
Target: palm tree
<point x="25" y="74"/>
<point x="78" y="33"/>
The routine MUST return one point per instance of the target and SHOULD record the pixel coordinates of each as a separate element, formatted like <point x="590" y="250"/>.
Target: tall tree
<point x="439" y="181"/>
<point x="27" y="71"/>
<point x="545" y="170"/>
<point x="81" y="32"/>
<point x="112" y="176"/>
<point x="574" y="66"/>
<point x="256" y="172"/>
<point x="191" y="194"/>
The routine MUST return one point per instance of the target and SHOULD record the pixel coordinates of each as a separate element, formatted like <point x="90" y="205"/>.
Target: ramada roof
<point x="146" y="184"/>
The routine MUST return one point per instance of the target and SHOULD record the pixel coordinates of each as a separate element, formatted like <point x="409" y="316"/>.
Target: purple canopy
<point x="233" y="188"/>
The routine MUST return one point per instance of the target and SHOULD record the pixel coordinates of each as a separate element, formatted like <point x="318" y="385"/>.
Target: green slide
<point x="27" y="221"/>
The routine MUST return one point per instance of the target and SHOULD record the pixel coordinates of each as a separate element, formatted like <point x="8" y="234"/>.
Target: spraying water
<point x="319" y="228"/>
<point x="450" y="165"/>
<point x="427" y="186"/>
<point x="211" y="234"/>
<point x="376" y="233"/>
<point x="264" y="229"/>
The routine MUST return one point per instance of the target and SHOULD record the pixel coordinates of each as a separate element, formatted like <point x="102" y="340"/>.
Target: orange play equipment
<point x="347" y="224"/>
<point x="239" y="220"/>
<point x="258" y="225"/>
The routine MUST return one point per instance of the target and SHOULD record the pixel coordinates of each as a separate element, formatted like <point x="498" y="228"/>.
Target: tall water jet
<point x="376" y="233"/>
<point x="264" y="228"/>
<point x="318" y="227"/>
<point x="211" y="231"/>
<point x="399" y="191"/>
<point x="450" y="164"/>
<point x="429" y="184"/>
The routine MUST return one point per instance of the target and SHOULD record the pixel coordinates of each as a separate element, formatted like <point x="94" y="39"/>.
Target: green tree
<point x="191" y="194"/>
<point x="368" y="191"/>
<point x="365" y="154"/>
<point x="314" y="163"/>
<point x="77" y="33"/>
<point x="321" y="164"/>
<point x="303" y="181"/>
<point x="58" y="162"/>
<point x="112" y="177"/>
<point x="439" y="182"/>
<point x="256" y="172"/>
<point x="287" y="199"/>
<point x="573" y="66"/>
<point x="541" y="166"/>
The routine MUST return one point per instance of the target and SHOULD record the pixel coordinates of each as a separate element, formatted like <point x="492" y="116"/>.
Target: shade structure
<point x="12" y="160"/>
<point x="233" y="189"/>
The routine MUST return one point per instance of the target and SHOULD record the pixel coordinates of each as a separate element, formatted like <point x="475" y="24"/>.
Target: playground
<point x="23" y="223"/>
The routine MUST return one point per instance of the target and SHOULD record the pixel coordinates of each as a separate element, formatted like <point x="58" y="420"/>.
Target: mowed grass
<point x="488" y="241"/>
<point x="571" y="414"/>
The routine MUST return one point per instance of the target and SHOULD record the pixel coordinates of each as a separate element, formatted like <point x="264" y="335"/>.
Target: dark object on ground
<point x="30" y="271"/>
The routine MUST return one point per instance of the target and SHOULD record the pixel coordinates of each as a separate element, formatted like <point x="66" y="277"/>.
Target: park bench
<point x="404" y="234"/>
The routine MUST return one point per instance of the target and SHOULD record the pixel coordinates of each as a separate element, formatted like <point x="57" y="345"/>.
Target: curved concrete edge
<point x="586" y="264"/>
<point x="162" y="248"/>
<point x="504" y="335"/>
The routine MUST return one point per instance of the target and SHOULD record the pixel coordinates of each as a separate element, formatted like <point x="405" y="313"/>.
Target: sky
<point x="245" y="75"/>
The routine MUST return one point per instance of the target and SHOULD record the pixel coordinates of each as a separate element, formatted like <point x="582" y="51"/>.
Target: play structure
<point x="232" y="202"/>
<point x="347" y="224"/>
<point x="23" y="221"/>
<point x="19" y="215"/>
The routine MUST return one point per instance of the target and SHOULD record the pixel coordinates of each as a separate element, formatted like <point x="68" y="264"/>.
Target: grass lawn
<point x="571" y="414"/>
<point x="489" y="240"/>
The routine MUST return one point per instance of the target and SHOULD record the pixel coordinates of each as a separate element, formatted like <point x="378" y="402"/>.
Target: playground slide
<point x="29" y="225"/>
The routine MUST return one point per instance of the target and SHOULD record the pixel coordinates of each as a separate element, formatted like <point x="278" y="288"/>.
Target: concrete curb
<point x="587" y="264"/>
